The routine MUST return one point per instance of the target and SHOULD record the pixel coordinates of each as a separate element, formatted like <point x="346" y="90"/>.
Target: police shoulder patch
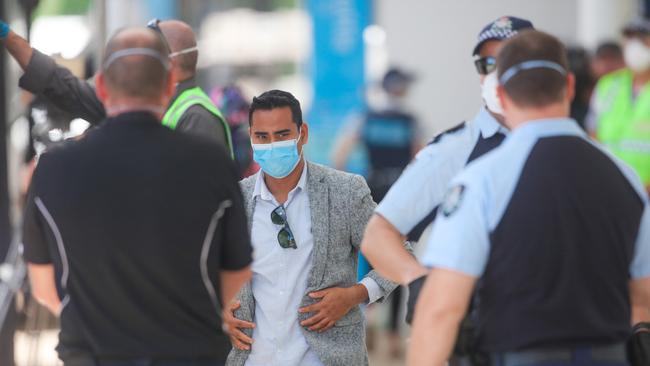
<point x="452" y="200"/>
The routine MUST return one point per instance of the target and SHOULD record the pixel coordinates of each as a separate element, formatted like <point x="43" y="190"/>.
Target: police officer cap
<point x="500" y="29"/>
<point x="638" y="25"/>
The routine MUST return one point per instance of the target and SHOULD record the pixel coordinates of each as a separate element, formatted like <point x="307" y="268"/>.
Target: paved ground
<point x="380" y="353"/>
<point x="38" y="350"/>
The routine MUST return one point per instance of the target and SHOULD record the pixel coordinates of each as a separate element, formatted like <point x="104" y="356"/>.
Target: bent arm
<point x="18" y="48"/>
<point x="437" y="318"/>
<point x="62" y="88"/>
<point x="41" y="278"/>
<point x="342" y="149"/>
<point x="56" y="83"/>
<point x="383" y="246"/>
<point x="640" y="300"/>
<point x="232" y="282"/>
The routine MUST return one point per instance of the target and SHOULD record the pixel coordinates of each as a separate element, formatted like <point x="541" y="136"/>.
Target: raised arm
<point x="56" y="83"/>
<point x="16" y="45"/>
<point x="383" y="246"/>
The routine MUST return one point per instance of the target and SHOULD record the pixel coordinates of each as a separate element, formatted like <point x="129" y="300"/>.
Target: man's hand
<point x="334" y="303"/>
<point x="233" y="327"/>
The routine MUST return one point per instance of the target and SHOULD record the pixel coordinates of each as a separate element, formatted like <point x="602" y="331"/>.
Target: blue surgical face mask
<point x="277" y="159"/>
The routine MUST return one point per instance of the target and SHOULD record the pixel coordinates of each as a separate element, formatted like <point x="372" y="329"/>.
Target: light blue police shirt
<point x="460" y="239"/>
<point x="423" y="184"/>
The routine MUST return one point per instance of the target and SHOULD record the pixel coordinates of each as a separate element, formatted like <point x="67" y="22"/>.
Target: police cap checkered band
<point x="500" y="29"/>
<point x="638" y="25"/>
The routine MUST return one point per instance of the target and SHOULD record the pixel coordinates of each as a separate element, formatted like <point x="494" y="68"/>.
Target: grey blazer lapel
<point x="246" y="293"/>
<point x="319" y="206"/>
<point x="247" y="192"/>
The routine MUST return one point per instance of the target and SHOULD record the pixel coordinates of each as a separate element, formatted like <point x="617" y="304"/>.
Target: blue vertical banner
<point x="161" y="9"/>
<point x="337" y="70"/>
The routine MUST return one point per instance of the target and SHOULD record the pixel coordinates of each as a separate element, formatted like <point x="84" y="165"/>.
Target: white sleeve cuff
<point x="374" y="291"/>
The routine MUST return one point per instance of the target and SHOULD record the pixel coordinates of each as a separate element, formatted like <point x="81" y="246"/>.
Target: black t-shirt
<point x="388" y="136"/>
<point x="138" y="221"/>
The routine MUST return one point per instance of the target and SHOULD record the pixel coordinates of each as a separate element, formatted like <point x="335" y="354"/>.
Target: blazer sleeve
<point x="361" y="209"/>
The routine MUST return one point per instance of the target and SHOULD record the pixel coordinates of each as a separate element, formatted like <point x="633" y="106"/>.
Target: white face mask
<point x="637" y="55"/>
<point x="489" y="93"/>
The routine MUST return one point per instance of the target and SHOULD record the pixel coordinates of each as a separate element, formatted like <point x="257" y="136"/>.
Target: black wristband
<point x="414" y="292"/>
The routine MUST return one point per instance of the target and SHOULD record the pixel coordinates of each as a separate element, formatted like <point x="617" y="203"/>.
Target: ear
<point x="503" y="98"/>
<point x="173" y="65"/>
<point x="100" y="87"/>
<point x="570" y="87"/>
<point x="170" y="86"/>
<point x="305" y="133"/>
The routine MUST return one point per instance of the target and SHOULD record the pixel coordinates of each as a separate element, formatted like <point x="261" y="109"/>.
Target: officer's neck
<point x="516" y="117"/>
<point x="280" y="187"/>
<point x="641" y="78"/>
<point x="182" y="76"/>
<point x="498" y="117"/>
<point x="119" y="105"/>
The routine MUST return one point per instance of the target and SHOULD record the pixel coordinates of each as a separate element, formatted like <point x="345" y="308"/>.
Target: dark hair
<point x="273" y="99"/>
<point x="536" y="87"/>
<point x="610" y="50"/>
<point x="136" y="75"/>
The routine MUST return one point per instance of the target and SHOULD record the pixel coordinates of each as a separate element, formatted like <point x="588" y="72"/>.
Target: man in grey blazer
<point x="306" y="222"/>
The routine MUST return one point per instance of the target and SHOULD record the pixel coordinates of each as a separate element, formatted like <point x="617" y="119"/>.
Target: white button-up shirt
<point x="280" y="279"/>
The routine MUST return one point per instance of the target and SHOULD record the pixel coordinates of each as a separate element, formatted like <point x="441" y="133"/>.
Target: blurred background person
<point x="234" y="105"/>
<point x="619" y="115"/>
<point x="607" y="59"/>
<point x="390" y="135"/>
<point x="388" y="131"/>
<point x="580" y="65"/>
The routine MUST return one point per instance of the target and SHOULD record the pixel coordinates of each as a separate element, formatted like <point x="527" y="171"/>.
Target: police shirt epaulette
<point x="456" y="128"/>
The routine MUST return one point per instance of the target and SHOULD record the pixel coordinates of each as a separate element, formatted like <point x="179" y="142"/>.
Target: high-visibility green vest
<point x="623" y="123"/>
<point x="189" y="98"/>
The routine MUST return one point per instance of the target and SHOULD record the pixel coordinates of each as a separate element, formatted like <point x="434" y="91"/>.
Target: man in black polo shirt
<point x="131" y="234"/>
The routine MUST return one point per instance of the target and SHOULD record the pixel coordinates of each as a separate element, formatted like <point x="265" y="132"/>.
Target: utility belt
<point x="466" y="352"/>
<point x="615" y="354"/>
